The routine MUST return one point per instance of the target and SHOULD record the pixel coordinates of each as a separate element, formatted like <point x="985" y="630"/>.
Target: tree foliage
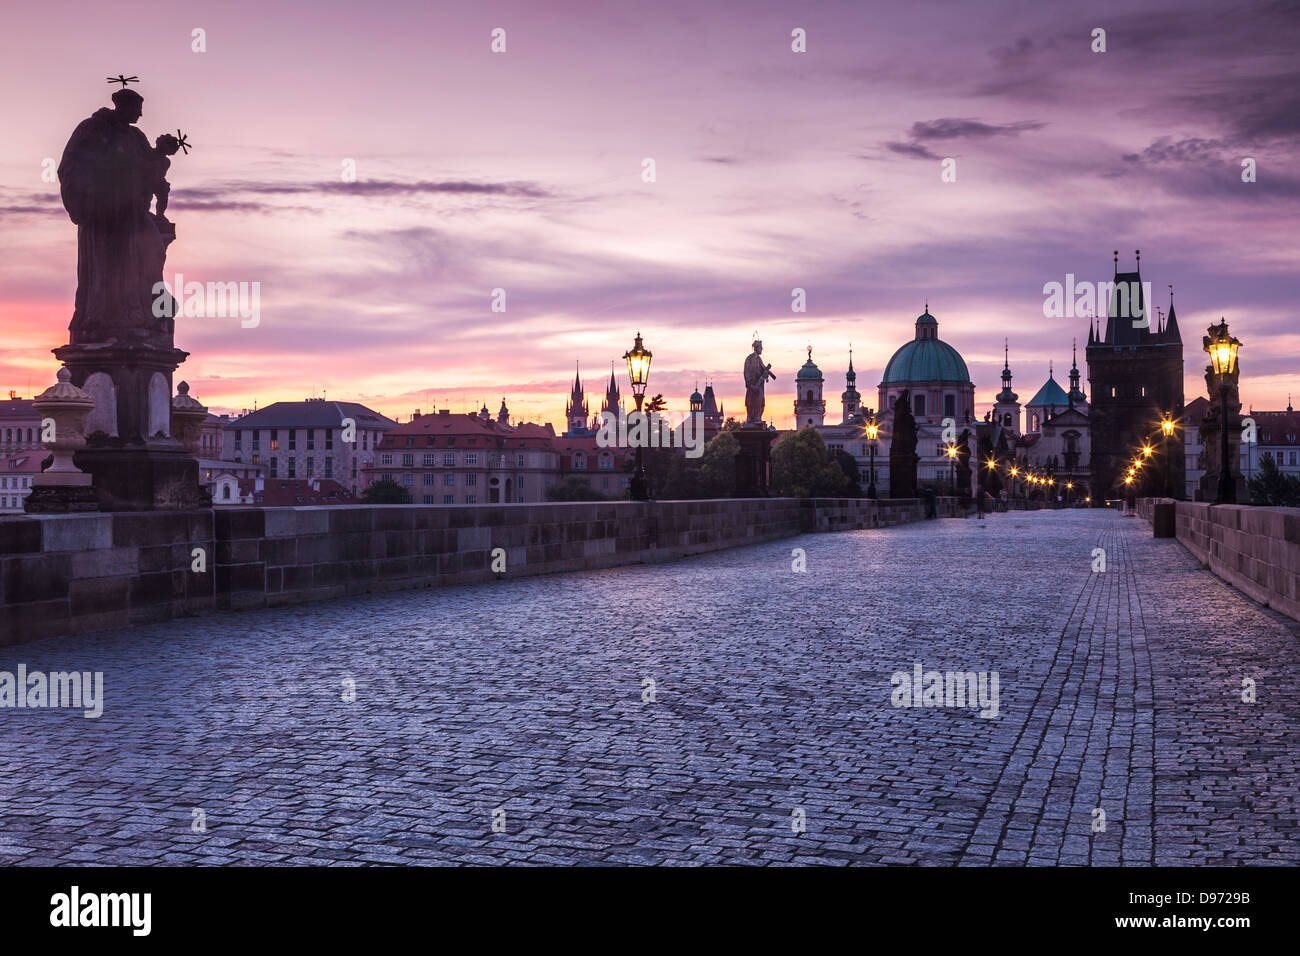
<point x="385" y="493"/>
<point x="574" y="488"/>
<point x="803" y="468"/>
<point x="1272" y="487"/>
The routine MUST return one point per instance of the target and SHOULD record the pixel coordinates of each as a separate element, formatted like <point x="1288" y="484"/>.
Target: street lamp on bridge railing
<point x="638" y="371"/>
<point x="1223" y="356"/>
<point x="873" y="432"/>
<point x="1166" y="430"/>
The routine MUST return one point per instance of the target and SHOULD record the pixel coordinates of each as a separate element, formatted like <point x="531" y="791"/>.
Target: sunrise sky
<point x="775" y="170"/>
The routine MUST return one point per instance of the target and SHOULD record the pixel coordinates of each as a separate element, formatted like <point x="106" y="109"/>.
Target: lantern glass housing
<point x="638" y="365"/>
<point x="1223" y="349"/>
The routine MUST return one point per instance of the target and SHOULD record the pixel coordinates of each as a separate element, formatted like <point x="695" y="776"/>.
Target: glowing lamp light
<point x="1222" y="348"/>
<point x="638" y="365"/>
<point x="872" y="431"/>
<point x="1167" y="427"/>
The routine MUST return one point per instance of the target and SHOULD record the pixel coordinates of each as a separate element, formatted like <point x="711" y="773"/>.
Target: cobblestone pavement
<point x="526" y="702"/>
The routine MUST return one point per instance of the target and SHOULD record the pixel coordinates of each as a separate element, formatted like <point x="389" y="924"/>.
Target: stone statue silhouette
<point x="963" y="463"/>
<point x="902" y="449"/>
<point x="108" y="176"/>
<point x="757" y="372"/>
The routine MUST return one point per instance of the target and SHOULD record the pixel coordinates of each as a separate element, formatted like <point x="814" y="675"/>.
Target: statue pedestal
<point x="753" y="461"/>
<point x="134" y="461"/>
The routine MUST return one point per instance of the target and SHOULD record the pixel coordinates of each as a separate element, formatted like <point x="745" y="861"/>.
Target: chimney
<point x="415" y="414"/>
<point x="444" y="411"/>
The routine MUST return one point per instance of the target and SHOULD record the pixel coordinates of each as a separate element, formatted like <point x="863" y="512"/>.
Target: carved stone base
<point x="753" y="462"/>
<point x="60" y="499"/>
<point x="142" y="479"/>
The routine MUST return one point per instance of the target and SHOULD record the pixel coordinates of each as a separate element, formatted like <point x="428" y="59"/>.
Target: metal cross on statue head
<point x="123" y="79"/>
<point x="183" y="142"/>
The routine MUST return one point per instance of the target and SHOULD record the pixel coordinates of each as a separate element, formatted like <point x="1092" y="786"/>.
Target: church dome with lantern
<point x="933" y="372"/>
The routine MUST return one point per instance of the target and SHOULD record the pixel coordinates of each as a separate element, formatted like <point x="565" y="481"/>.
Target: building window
<point x="239" y="441"/>
<point x="520" y="462"/>
<point x="429" y="460"/>
<point x="427" y="499"/>
<point x="311" y="467"/>
<point x="274" y="467"/>
<point x="293" y="439"/>
<point x="293" y="467"/>
<point x="311" y="439"/>
<point x="918" y="405"/>
<point x="606" y="462"/>
<point x="471" y="479"/>
<point x="329" y="467"/>
<point x="448" y="459"/>
<point x="471" y="499"/>
<point x="408" y="460"/>
<point x="449" y="480"/>
<point x="329" y="439"/>
<point x="471" y="458"/>
<point x="448" y="499"/>
<point x="579" y="462"/>
<point x="950" y="406"/>
<point x="428" y="478"/>
<point x="386" y="458"/>
<point x="408" y="479"/>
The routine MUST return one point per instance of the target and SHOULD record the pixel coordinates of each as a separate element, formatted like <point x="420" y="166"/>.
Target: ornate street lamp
<point x="952" y="460"/>
<point x="1223" y="356"/>
<point x="638" y="371"/>
<point x="873" y="432"/>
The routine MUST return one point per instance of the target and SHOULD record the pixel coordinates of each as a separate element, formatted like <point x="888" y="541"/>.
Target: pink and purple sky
<point x="775" y="170"/>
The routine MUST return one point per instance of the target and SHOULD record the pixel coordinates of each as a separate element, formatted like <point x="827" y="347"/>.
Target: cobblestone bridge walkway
<point x="528" y="704"/>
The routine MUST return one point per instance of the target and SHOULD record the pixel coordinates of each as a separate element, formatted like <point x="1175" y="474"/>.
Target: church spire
<point x="1076" y="393"/>
<point x="1171" y="333"/>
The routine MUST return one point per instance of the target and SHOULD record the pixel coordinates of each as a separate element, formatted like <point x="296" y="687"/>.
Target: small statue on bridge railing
<point x="902" y="449"/>
<point x="108" y="177"/>
<point x="757" y="372"/>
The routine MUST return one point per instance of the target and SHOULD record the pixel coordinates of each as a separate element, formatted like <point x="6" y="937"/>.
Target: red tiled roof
<point x="27" y="462"/>
<point x="290" y="492"/>
<point x="466" y="431"/>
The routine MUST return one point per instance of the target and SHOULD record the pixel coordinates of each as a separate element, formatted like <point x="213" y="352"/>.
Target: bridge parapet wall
<point x="71" y="574"/>
<point x="1256" y="550"/>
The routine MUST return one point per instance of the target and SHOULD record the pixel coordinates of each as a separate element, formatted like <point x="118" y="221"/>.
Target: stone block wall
<point x="1256" y="550"/>
<point x="72" y="573"/>
<point x="69" y="574"/>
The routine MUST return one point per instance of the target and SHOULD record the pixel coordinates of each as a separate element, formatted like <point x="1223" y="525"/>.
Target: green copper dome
<point x="926" y="358"/>
<point x="809" y="372"/>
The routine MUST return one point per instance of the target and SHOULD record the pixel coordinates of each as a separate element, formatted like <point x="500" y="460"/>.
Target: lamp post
<point x="1014" y="473"/>
<point x="873" y="432"/>
<point x="1166" y="430"/>
<point x="952" y="461"/>
<point x="1223" y="357"/>
<point x="638" y="371"/>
